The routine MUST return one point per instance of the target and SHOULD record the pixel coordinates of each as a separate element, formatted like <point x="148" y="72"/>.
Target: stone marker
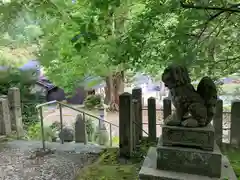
<point x="152" y="132"/>
<point x="5" y="122"/>
<point x="125" y="125"/>
<point x="80" y="129"/>
<point x="202" y="138"/>
<point x="15" y="111"/>
<point x="235" y="123"/>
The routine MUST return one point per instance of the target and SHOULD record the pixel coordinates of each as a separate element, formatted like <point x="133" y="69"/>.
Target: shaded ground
<point x="110" y="167"/>
<point x="234" y="158"/>
<point x="16" y="162"/>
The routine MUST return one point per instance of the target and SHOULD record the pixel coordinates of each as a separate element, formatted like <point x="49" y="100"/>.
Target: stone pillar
<point x="135" y="138"/>
<point x="80" y="129"/>
<point x="5" y="121"/>
<point x="15" y="111"/>
<point x="137" y="94"/>
<point x="217" y="122"/>
<point x="167" y="107"/>
<point x="235" y="123"/>
<point x="152" y="132"/>
<point x="125" y="125"/>
<point x="102" y="132"/>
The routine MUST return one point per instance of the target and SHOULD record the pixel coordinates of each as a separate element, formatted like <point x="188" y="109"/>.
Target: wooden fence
<point x="131" y="125"/>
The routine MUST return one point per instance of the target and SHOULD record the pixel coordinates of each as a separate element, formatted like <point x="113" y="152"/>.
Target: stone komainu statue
<point x="194" y="108"/>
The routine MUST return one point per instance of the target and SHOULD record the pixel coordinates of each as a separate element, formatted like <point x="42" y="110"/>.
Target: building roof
<point x="31" y="65"/>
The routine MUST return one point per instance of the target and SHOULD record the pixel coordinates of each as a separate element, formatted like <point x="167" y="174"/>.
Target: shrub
<point x="34" y="132"/>
<point x="93" y="101"/>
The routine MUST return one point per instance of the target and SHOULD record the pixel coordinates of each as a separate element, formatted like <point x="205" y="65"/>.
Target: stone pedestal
<point x="186" y="153"/>
<point x="149" y="170"/>
<point x="202" y="138"/>
<point x="196" y="161"/>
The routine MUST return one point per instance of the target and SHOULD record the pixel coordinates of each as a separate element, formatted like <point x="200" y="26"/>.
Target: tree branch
<point x="224" y="9"/>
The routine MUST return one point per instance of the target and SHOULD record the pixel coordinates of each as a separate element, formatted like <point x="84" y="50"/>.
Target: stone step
<point x="189" y="160"/>
<point x="149" y="170"/>
<point x="202" y="137"/>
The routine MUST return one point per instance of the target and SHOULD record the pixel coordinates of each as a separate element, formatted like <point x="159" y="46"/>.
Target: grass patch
<point x="233" y="155"/>
<point x="110" y="166"/>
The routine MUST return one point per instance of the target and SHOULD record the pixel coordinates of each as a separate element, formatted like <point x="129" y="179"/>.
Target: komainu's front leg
<point x="199" y="114"/>
<point x="174" y="119"/>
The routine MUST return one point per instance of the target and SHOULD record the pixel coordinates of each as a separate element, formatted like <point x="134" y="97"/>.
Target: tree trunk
<point x="114" y="87"/>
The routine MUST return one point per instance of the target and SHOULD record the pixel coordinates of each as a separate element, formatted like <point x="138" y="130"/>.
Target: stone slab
<point x="149" y="170"/>
<point x="202" y="137"/>
<point x="189" y="160"/>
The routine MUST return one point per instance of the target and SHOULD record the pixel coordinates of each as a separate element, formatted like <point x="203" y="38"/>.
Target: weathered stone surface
<point x="15" y="111"/>
<point x="189" y="160"/>
<point x="5" y="122"/>
<point x="67" y="134"/>
<point x="152" y="119"/>
<point x="137" y="95"/>
<point x="149" y="170"/>
<point x="125" y="125"/>
<point x="80" y="129"/>
<point x="201" y="137"/>
<point x="235" y="123"/>
<point x="167" y="107"/>
<point x="198" y="105"/>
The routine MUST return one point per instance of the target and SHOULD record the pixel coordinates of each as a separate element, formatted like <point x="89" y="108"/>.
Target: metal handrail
<point x="40" y="106"/>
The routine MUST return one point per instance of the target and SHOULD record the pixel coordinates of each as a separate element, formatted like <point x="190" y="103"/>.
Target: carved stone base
<point x="201" y="137"/>
<point x="149" y="170"/>
<point x="189" y="160"/>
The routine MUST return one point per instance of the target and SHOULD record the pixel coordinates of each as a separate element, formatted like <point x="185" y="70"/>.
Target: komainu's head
<point x="175" y="75"/>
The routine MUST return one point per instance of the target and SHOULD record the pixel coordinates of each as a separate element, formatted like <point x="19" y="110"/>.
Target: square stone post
<point x="5" y="121"/>
<point x="152" y="132"/>
<point x="125" y="125"/>
<point x="15" y="111"/>
<point x="137" y="95"/>
<point x="235" y="123"/>
<point x="217" y="122"/>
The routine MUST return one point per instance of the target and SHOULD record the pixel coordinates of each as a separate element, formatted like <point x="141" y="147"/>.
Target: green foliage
<point x="93" y="101"/>
<point x="119" y="35"/>
<point x="34" y="132"/>
<point x="90" y="128"/>
<point x="234" y="156"/>
<point x="109" y="166"/>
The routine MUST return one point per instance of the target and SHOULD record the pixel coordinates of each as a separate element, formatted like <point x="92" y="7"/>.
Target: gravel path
<point x="16" y="162"/>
